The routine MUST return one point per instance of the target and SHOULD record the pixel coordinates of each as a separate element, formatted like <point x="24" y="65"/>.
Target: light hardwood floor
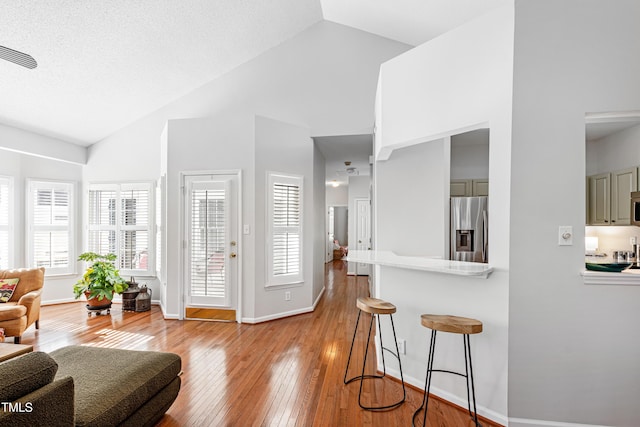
<point x="279" y="373"/>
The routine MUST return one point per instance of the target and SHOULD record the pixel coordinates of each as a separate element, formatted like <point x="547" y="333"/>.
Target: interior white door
<point x="363" y="232"/>
<point x="211" y="267"/>
<point x="329" y="229"/>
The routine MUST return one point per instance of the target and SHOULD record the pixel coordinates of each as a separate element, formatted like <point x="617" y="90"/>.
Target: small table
<point x="9" y="351"/>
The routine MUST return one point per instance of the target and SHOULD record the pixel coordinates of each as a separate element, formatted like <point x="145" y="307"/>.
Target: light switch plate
<point x="565" y="235"/>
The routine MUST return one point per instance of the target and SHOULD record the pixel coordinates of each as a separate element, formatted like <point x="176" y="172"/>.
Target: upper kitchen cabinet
<point x="599" y="197"/>
<point x="469" y="187"/>
<point x="609" y="198"/>
<point x="623" y="182"/>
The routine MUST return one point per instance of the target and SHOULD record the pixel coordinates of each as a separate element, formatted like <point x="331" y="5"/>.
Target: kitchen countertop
<point x="625" y="277"/>
<point x="423" y="263"/>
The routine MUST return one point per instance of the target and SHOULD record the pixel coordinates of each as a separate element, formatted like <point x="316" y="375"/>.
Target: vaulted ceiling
<point x="104" y="64"/>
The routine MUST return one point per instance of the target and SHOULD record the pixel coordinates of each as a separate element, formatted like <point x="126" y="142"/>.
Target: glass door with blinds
<point x="211" y="246"/>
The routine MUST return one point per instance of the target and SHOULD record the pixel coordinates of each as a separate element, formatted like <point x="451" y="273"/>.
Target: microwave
<point x="635" y="208"/>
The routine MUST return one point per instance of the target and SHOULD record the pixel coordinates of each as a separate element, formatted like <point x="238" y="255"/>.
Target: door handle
<point x="232" y="255"/>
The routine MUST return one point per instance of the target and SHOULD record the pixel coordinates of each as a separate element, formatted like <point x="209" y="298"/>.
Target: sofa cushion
<point x="7" y="286"/>
<point x="11" y="310"/>
<point x="25" y="374"/>
<point x="111" y="384"/>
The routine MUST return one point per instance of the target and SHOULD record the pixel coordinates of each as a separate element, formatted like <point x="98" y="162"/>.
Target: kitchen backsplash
<point x="613" y="238"/>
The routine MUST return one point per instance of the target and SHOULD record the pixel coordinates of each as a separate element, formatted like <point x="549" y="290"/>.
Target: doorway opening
<point x="211" y="209"/>
<point x="348" y="173"/>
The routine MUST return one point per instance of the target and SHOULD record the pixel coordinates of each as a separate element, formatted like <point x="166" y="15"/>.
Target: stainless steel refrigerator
<point x="469" y="232"/>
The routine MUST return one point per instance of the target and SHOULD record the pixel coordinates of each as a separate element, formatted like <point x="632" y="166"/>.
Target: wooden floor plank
<point x="287" y="372"/>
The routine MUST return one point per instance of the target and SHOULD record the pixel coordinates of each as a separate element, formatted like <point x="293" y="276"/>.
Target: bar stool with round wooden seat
<point x="455" y="325"/>
<point x="375" y="307"/>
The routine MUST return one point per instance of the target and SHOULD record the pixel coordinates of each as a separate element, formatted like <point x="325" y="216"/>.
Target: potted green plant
<point x="100" y="281"/>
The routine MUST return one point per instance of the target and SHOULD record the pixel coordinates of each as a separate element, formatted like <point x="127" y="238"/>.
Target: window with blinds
<point x="50" y="241"/>
<point x="120" y="222"/>
<point x="285" y="229"/>
<point x="208" y="242"/>
<point x="6" y="190"/>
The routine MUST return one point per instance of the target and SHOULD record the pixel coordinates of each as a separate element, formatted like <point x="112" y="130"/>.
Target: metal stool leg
<point x="362" y="375"/>
<point x="427" y="381"/>
<point x="353" y="340"/>
<point x="364" y="364"/>
<point x="395" y="339"/>
<point x="467" y="352"/>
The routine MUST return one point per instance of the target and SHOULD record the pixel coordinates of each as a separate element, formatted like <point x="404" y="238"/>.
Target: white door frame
<point x="183" y="238"/>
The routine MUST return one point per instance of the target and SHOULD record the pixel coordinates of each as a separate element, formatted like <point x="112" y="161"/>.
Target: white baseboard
<point x="58" y="301"/>
<point x="485" y="412"/>
<point x="315" y="303"/>
<point x="524" y="422"/>
<point x="165" y="314"/>
<point x="276" y="316"/>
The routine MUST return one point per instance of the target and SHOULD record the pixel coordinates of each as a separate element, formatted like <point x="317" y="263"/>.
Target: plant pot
<point x="95" y="302"/>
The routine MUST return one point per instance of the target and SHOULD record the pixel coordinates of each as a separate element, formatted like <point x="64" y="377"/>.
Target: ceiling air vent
<point x="16" y="57"/>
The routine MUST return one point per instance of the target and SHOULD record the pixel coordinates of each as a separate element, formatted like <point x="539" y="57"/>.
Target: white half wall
<point x="457" y="82"/>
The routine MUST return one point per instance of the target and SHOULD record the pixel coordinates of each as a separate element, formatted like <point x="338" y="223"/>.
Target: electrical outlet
<point x="402" y="346"/>
<point x="287" y="296"/>
<point x="633" y="240"/>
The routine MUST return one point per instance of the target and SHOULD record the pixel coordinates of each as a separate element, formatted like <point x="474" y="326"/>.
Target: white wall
<point x="21" y="141"/>
<point x="617" y="151"/>
<point x="470" y="155"/>
<point x="572" y="352"/>
<point x="337" y="196"/>
<point x="412" y="200"/>
<point x="340" y="224"/>
<point x="358" y="188"/>
<point x="457" y="82"/>
<point x="281" y="147"/>
<point x="204" y="145"/>
<point x="22" y="167"/>
<point x="320" y="222"/>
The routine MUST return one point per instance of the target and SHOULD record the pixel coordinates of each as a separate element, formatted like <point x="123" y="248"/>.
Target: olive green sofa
<point x="88" y="386"/>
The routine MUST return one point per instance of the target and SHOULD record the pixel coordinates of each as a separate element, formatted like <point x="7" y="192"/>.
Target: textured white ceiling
<point x="103" y="64"/>
<point x="409" y="21"/>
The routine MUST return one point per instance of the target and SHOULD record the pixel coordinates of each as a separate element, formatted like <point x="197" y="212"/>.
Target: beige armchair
<point x="23" y="309"/>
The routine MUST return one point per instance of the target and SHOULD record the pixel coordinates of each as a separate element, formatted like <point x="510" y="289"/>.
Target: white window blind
<point x="6" y="205"/>
<point x="285" y="229"/>
<point x="51" y="226"/>
<point x="121" y="222"/>
<point x="208" y="242"/>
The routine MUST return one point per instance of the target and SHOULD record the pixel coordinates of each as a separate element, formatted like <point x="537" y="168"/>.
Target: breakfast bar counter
<point x="625" y="277"/>
<point x="423" y="263"/>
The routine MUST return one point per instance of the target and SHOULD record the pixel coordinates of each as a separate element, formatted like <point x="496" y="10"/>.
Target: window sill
<point x="296" y="284"/>
<point x="60" y="275"/>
